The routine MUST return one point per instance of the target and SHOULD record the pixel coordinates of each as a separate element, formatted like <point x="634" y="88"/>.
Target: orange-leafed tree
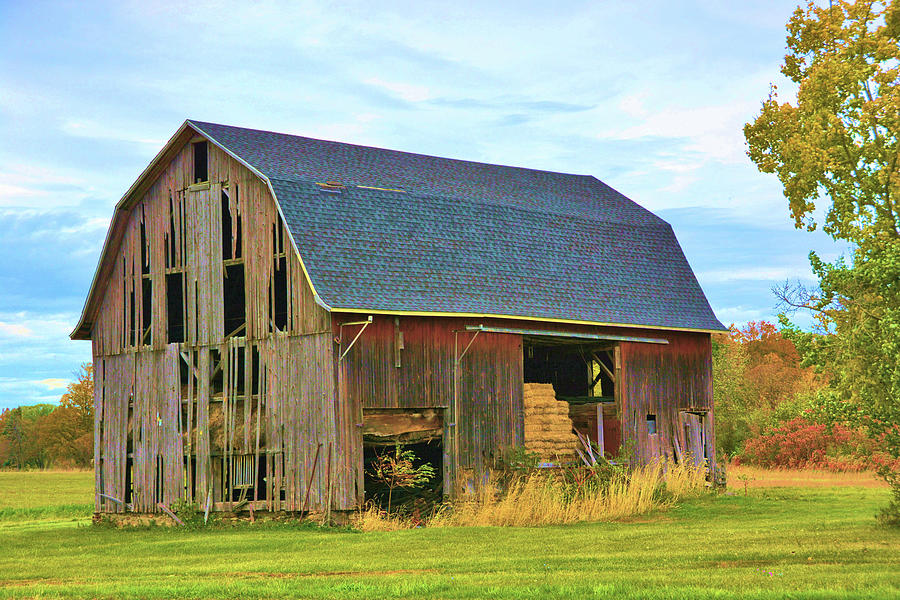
<point x="68" y="432"/>
<point x="758" y="381"/>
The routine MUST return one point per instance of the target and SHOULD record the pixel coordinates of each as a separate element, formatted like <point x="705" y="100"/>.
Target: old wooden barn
<point x="269" y="308"/>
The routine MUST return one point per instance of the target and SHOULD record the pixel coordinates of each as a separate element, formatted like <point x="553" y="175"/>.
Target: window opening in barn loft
<point x="231" y="225"/>
<point x="201" y="162"/>
<point x="147" y="308"/>
<point x="130" y="308"/>
<point x="235" y="313"/>
<point x="146" y="288"/>
<point x="145" y="256"/>
<point x="175" y="307"/>
<point x="170" y="236"/>
<point x="278" y="292"/>
<point x="651" y="424"/>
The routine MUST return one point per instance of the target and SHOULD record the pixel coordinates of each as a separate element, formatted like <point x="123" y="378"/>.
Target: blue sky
<point x="650" y="97"/>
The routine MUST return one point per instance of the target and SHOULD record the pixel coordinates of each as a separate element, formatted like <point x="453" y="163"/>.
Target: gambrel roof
<point x="409" y="233"/>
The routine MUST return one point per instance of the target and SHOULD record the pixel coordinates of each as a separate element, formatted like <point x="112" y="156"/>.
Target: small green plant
<point x="398" y="470"/>
<point x="745" y="479"/>
<point x="627" y="453"/>
<point x="189" y="512"/>
<point x="518" y="459"/>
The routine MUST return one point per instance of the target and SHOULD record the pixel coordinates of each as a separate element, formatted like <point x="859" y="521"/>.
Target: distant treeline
<point x="47" y="435"/>
<point x="767" y="407"/>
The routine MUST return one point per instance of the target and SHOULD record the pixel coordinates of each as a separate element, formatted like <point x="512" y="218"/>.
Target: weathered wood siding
<point x="424" y="378"/>
<point x="490" y="381"/>
<point x="491" y="406"/>
<point x="182" y="227"/>
<point x="176" y="418"/>
<point x="664" y="380"/>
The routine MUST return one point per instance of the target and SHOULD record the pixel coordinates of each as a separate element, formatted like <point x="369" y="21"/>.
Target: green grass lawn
<point x="43" y="494"/>
<point x="775" y="543"/>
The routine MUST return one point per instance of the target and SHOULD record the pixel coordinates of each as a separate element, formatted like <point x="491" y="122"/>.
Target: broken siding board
<point x="99" y="386"/>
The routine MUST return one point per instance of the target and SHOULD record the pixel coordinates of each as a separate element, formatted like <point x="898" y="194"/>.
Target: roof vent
<point x="332" y="187"/>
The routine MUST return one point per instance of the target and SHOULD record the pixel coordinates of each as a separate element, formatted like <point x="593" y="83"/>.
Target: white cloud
<point x="406" y="91"/>
<point x="711" y="131"/>
<point x="14" y="330"/>
<point x="33" y="184"/>
<point x="761" y="273"/>
<point x="91" y="129"/>
<point x="739" y="314"/>
<point x="53" y="383"/>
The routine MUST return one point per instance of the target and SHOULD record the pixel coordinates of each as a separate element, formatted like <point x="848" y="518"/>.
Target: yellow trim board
<point x="412" y="313"/>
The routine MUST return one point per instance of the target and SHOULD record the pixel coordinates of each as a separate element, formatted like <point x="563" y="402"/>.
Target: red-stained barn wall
<point x="654" y="378"/>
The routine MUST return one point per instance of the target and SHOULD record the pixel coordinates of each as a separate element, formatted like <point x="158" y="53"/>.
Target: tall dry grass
<point x="372" y="518"/>
<point x="547" y="499"/>
<point x="550" y="498"/>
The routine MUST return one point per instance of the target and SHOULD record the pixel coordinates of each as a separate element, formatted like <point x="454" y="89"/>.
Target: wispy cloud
<point x="405" y="91"/>
<point x="88" y="128"/>
<point x="12" y="330"/>
<point x="53" y="384"/>
<point x="759" y="273"/>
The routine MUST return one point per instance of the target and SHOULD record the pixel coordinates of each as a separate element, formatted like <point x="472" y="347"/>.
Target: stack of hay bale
<point x="548" y="428"/>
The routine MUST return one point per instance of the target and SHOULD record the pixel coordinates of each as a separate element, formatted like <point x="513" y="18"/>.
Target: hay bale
<point x="548" y="428"/>
<point x="216" y="429"/>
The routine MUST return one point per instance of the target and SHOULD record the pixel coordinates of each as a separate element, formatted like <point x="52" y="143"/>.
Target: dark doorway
<point x="414" y="502"/>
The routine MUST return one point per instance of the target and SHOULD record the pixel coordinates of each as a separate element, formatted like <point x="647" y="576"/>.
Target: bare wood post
<point x="208" y="503"/>
<point x="166" y="510"/>
<point x="600" y="441"/>
<point x="327" y="513"/>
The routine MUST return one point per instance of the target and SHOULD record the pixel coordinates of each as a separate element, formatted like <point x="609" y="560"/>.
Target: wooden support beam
<point x="605" y="369"/>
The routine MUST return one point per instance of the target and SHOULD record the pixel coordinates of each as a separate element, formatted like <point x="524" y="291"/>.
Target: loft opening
<point x="231" y="225"/>
<point x="175" y="307"/>
<point x="234" y="303"/>
<point x="234" y="310"/>
<point x="278" y="292"/>
<point x="146" y="286"/>
<point x="201" y="162"/>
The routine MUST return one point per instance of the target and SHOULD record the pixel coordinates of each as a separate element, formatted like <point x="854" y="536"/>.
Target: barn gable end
<point x="211" y="354"/>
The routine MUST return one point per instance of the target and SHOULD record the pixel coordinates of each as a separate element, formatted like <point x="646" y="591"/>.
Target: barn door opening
<point x="419" y="431"/>
<point x="694" y="432"/>
<point x="583" y="375"/>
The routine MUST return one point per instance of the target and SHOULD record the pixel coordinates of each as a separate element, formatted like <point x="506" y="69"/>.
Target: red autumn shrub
<point x="799" y="443"/>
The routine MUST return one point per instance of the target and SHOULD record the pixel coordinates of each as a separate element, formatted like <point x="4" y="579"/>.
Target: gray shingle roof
<point x="466" y="237"/>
